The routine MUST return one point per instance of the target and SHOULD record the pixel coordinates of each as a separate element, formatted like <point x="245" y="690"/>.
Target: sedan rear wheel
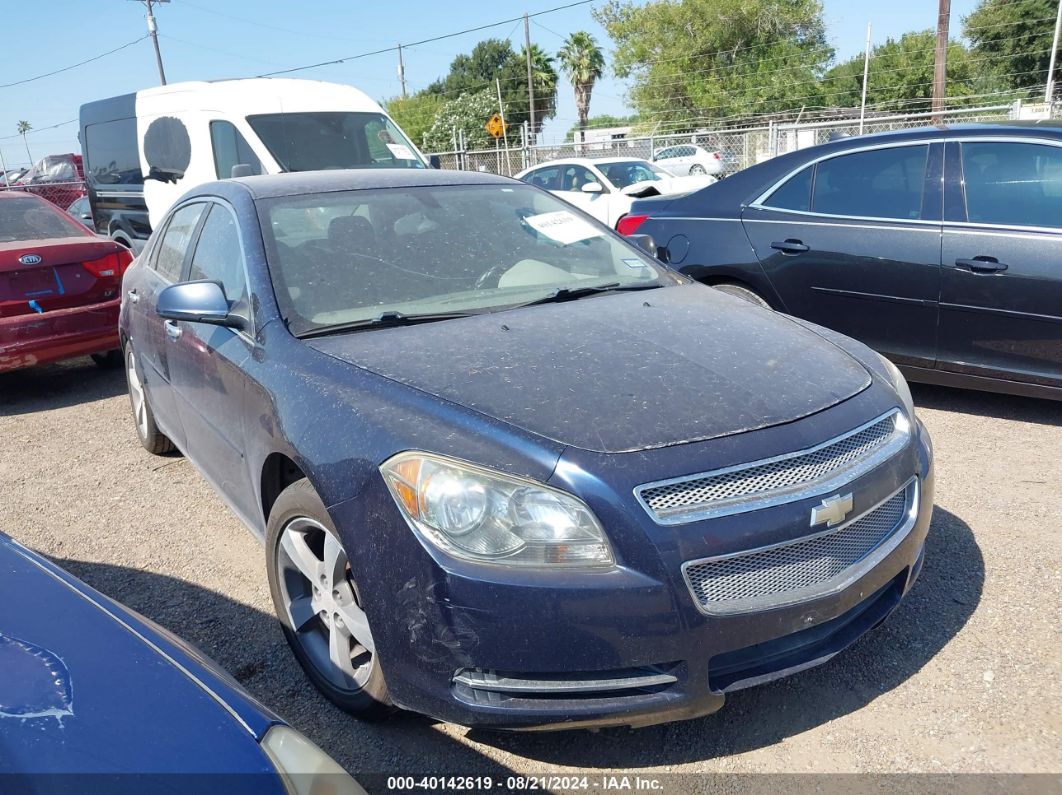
<point x="151" y="438"/>
<point x="320" y="606"/>
<point x="697" y="170"/>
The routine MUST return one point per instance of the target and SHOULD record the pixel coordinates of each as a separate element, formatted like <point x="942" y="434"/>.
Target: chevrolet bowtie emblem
<point x="832" y="511"/>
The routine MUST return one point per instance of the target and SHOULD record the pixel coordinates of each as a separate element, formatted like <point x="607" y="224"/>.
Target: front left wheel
<point x="320" y="606"/>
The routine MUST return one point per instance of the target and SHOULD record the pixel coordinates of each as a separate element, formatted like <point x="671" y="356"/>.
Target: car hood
<point x="83" y="692"/>
<point x="618" y="372"/>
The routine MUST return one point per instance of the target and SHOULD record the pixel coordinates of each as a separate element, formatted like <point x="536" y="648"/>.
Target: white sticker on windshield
<point x="634" y="263"/>
<point x="562" y="226"/>
<point x="401" y="152"/>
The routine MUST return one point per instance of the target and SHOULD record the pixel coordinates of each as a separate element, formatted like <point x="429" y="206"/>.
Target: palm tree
<point x="23" y="128"/>
<point x="583" y="63"/>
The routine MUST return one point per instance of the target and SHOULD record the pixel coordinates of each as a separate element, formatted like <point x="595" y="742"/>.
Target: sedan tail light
<point x="110" y="266"/>
<point x="717" y="156"/>
<point x="628" y="224"/>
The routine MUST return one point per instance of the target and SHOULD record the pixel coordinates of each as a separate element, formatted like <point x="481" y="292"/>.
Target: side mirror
<point x="241" y="170"/>
<point x="434" y="161"/>
<point x="197" y="302"/>
<point x="592" y="187"/>
<point x="645" y="243"/>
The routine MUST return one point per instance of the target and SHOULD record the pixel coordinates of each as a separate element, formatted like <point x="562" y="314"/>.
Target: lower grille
<point x="801" y="569"/>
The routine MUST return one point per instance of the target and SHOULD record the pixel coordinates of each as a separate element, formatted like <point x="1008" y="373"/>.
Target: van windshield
<point x="334" y="139"/>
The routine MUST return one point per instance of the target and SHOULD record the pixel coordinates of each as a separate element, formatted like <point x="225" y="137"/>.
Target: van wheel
<point x="743" y="293"/>
<point x="151" y="438"/>
<point x="320" y="606"/>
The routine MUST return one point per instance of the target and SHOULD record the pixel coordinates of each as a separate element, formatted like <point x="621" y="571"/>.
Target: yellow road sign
<point x="495" y="126"/>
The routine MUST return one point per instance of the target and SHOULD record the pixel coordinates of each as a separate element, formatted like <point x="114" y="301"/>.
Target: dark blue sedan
<point x="95" y="698"/>
<point x="509" y="470"/>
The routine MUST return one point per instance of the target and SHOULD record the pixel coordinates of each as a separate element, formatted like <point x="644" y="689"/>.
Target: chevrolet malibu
<point x="508" y="469"/>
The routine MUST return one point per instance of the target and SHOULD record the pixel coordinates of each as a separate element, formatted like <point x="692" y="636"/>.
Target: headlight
<point x="480" y="515"/>
<point x="899" y="383"/>
<point x="305" y="768"/>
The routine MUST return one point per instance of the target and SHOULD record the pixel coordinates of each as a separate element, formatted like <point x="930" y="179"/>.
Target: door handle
<point x="981" y="265"/>
<point x="173" y="331"/>
<point x="790" y="246"/>
<point x="133" y="297"/>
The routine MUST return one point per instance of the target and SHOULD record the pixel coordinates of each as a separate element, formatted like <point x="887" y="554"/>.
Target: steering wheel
<point x="495" y="273"/>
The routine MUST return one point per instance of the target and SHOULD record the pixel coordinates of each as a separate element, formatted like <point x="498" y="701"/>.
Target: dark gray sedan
<point x="938" y="247"/>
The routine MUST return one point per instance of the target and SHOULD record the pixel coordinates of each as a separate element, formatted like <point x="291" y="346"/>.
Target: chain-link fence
<point x="61" y="194"/>
<point x="738" y="147"/>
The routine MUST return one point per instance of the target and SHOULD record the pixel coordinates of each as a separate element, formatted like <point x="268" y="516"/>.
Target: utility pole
<point x="866" y="73"/>
<point x="401" y="71"/>
<point x="530" y="79"/>
<point x="1049" y="94"/>
<point x="940" y="71"/>
<point x="153" y="31"/>
<point x="505" y="133"/>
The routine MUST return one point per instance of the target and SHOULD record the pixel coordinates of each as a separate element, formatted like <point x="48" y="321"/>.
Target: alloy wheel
<point x="136" y="393"/>
<point x="322" y="604"/>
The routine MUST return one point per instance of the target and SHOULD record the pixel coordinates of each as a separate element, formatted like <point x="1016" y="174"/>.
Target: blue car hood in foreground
<point x="618" y="372"/>
<point x="85" y="689"/>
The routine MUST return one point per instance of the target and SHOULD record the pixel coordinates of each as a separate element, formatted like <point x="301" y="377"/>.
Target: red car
<point x="60" y="286"/>
<point x="58" y="178"/>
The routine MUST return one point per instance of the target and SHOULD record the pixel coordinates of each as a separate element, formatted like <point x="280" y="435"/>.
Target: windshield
<point x="29" y="218"/>
<point x="341" y="258"/>
<point x="628" y="172"/>
<point x="334" y="139"/>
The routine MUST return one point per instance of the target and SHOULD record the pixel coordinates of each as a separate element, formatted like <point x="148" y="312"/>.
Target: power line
<point x="425" y="41"/>
<point x="73" y="66"/>
<point x="40" y="129"/>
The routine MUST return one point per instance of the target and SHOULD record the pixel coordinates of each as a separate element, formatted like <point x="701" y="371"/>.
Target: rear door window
<point x="1013" y="184"/>
<point x="545" y="178"/>
<point x="794" y="194"/>
<point x="173" y="247"/>
<point x="880" y="183"/>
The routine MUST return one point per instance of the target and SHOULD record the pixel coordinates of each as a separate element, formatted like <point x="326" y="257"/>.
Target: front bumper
<point x="493" y="647"/>
<point x="27" y="340"/>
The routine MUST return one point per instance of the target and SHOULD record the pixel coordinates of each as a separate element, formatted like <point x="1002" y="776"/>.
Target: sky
<point x="206" y="40"/>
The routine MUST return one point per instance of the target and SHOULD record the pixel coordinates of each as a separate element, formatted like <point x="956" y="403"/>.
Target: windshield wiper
<point x="562" y="294"/>
<point x="384" y="319"/>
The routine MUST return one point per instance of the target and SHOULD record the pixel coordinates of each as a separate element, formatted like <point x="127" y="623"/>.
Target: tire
<point x="300" y="538"/>
<point x="151" y="438"/>
<point x="111" y="360"/>
<point x="743" y="293"/>
<point x="697" y="170"/>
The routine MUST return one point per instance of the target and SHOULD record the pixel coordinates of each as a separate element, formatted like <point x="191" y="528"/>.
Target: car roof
<point x="295" y="183"/>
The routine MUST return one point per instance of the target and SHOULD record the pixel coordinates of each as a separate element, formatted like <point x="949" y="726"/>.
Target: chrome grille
<point x="800" y="569"/>
<point x="749" y="486"/>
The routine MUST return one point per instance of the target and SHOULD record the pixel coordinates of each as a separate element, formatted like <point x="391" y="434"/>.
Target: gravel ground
<point x="965" y="677"/>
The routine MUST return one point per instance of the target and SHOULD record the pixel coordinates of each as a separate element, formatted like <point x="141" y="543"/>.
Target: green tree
<point x="583" y="62"/>
<point x="901" y="75"/>
<point x="468" y="112"/>
<point x="23" y="128"/>
<point x="693" y="61"/>
<point x="415" y="114"/>
<point x="495" y="60"/>
<point x="1012" y="40"/>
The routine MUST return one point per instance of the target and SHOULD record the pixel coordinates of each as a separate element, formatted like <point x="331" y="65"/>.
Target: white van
<point x="143" y="151"/>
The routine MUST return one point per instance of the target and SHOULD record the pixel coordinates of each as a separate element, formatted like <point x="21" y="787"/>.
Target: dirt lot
<point x="965" y="677"/>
